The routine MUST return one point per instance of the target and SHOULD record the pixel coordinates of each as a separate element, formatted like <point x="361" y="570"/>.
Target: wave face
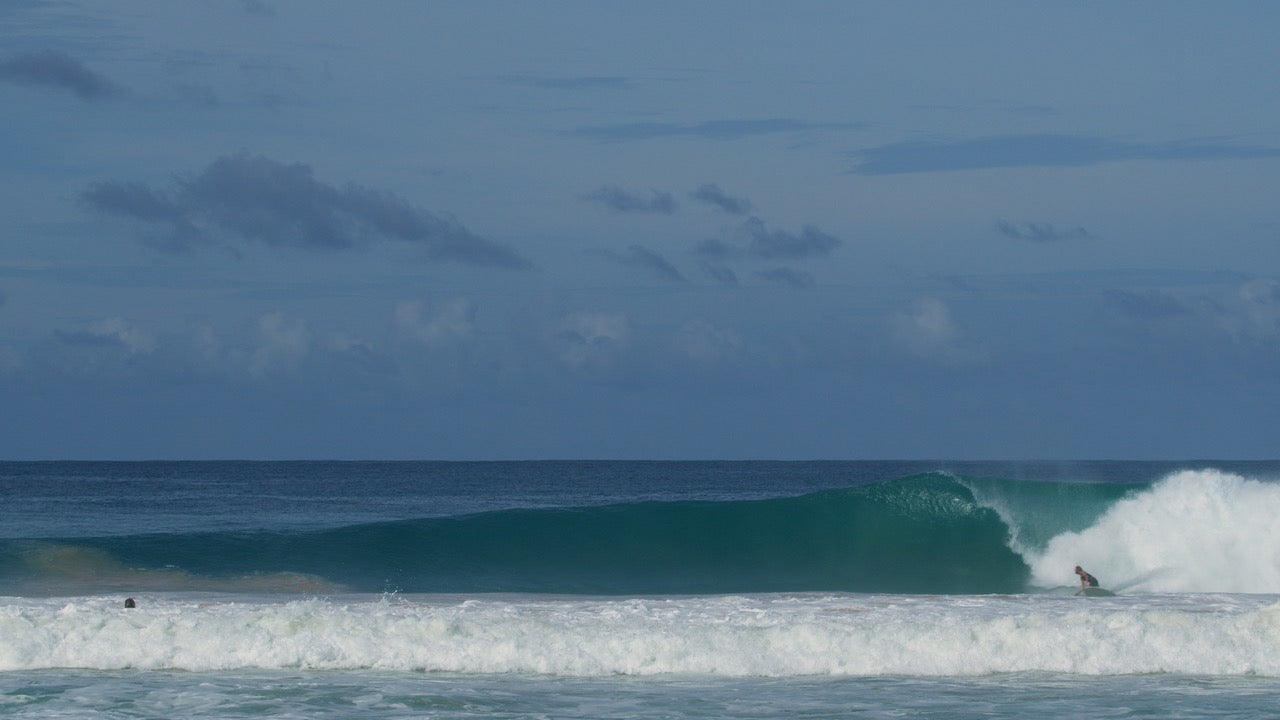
<point x="932" y="533"/>
<point x="728" y="636"/>
<point x="922" y="534"/>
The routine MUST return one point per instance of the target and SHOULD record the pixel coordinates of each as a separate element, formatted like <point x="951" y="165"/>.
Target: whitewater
<point x="1194" y="531"/>
<point x="637" y="589"/>
<point x="764" y="636"/>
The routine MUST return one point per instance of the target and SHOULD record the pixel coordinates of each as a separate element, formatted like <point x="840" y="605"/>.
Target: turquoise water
<point x="621" y="589"/>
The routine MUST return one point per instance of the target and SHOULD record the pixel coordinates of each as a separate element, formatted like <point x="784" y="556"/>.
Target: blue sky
<point x="479" y="230"/>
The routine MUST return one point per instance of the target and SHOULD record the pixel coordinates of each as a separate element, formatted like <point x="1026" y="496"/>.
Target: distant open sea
<point x="639" y="589"/>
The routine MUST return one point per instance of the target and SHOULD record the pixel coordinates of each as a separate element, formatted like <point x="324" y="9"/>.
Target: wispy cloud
<point x="710" y="130"/>
<point x="57" y="70"/>
<point x="619" y="200"/>
<point x="1039" y="232"/>
<point x="1146" y="304"/>
<point x="654" y="263"/>
<point x="721" y="273"/>
<point x="446" y="324"/>
<point x="940" y="155"/>
<point x="713" y="195"/>
<point x="788" y="277"/>
<point x="258" y="7"/>
<point x="754" y="239"/>
<point x="927" y="330"/>
<point x="586" y="82"/>
<point x="257" y="199"/>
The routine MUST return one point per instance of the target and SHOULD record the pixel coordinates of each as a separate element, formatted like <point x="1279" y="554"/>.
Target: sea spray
<point x="1194" y="531"/>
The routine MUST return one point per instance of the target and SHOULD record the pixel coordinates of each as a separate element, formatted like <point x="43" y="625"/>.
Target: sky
<point x="288" y="229"/>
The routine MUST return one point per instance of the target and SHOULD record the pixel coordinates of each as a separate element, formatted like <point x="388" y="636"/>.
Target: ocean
<point x="927" y="589"/>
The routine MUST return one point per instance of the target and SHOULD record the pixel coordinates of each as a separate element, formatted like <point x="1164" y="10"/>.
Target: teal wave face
<point x="922" y="534"/>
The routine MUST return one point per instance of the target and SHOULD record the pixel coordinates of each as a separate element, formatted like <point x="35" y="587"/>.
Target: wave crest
<point x="1193" y="531"/>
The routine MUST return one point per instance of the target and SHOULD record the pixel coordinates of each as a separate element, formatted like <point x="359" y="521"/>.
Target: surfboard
<point x="1097" y="592"/>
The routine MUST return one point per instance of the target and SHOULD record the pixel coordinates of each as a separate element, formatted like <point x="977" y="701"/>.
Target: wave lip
<point x="730" y="636"/>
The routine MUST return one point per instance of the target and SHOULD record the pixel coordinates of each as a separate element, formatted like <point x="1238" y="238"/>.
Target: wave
<point x="732" y="636"/>
<point x="920" y="534"/>
<point x="1193" y="531"/>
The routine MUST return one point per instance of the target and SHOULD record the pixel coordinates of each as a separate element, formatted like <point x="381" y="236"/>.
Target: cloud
<point x="1039" y="232"/>
<point x="710" y="130"/>
<point x="927" y="330"/>
<point x="136" y="200"/>
<point x="258" y="7"/>
<point x="788" y="277"/>
<point x="722" y="274"/>
<point x="1000" y="151"/>
<point x="705" y="342"/>
<point x="257" y="199"/>
<point x="54" y="69"/>
<point x="713" y="195"/>
<point x="621" y="201"/>
<point x="592" y="341"/>
<point x="777" y="244"/>
<point x="754" y="239"/>
<point x="650" y="261"/>
<point x="282" y="345"/>
<point x="587" y="82"/>
<point x="435" y="327"/>
<point x="1255" y="309"/>
<point x="111" y="332"/>
<point x="1147" y="305"/>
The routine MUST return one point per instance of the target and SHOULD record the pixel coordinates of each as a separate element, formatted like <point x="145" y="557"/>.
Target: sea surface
<point x="639" y="589"/>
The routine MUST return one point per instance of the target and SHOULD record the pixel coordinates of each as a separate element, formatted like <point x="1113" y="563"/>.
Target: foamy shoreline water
<point x="787" y="635"/>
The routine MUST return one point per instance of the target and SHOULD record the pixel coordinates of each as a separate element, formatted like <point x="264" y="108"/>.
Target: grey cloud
<point x="722" y="274"/>
<point x="714" y="248"/>
<point x="713" y="195"/>
<point x="619" y="200"/>
<point x="258" y="7"/>
<point x="1039" y="232"/>
<point x="755" y="240"/>
<point x="642" y="257"/>
<point x="132" y="199"/>
<point x="262" y="200"/>
<point x="788" y="277"/>
<point x="777" y="244"/>
<point x="136" y="200"/>
<point x="602" y="82"/>
<point x="55" y="69"/>
<point x="710" y="130"/>
<point x="85" y="338"/>
<point x="1148" y="305"/>
<point x="913" y="156"/>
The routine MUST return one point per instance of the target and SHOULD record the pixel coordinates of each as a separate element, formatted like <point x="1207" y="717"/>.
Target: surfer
<point x="1086" y="580"/>
<point x="129" y="603"/>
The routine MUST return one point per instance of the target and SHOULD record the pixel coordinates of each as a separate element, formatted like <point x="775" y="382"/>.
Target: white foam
<point x="776" y="636"/>
<point x="1194" y="531"/>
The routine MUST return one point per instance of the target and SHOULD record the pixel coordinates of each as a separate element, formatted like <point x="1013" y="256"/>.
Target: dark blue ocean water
<point x="638" y="589"/>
